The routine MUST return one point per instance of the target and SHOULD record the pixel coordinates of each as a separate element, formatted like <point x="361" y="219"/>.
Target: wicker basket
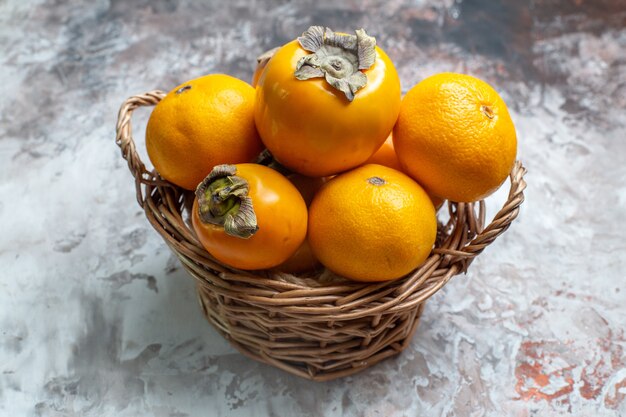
<point x="312" y="326"/>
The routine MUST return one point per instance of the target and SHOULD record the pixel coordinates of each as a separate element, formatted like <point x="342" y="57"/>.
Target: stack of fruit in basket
<point x="355" y="170"/>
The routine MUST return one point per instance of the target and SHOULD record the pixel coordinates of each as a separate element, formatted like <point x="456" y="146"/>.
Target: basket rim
<point x="465" y="236"/>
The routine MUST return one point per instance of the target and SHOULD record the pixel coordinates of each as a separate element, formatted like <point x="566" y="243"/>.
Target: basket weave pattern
<point x="317" y="327"/>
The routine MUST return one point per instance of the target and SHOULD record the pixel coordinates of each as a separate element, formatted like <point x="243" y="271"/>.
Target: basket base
<point x="314" y="350"/>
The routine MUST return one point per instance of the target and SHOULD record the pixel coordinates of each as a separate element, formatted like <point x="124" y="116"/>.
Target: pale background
<point x="97" y="318"/>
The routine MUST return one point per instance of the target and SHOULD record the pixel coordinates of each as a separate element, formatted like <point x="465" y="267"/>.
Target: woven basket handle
<point x="124" y="139"/>
<point x="505" y="215"/>
<point x="501" y="221"/>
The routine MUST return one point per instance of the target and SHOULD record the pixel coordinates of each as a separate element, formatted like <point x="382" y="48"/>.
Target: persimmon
<point x="308" y="186"/>
<point x="249" y="216"/>
<point x="386" y="155"/>
<point x="303" y="260"/>
<point x="327" y="101"/>
<point x="261" y="63"/>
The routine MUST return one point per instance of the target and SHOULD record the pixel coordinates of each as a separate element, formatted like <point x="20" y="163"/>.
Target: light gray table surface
<point x="97" y="317"/>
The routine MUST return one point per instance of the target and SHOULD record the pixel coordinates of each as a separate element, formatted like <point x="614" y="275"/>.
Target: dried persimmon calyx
<point x="337" y="57"/>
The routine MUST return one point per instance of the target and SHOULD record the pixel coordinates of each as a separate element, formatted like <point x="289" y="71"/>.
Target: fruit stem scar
<point x="223" y="201"/>
<point x="376" y="181"/>
<point x="487" y="111"/>
<point x="183" y="89"/>
<point x="337" y="57"/>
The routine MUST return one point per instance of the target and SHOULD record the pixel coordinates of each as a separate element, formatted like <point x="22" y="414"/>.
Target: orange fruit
<point x="454" y="136"/>
<point x="261" y="63"/>
<point x="266" y="233"/>
<point x="372" y="223"/>
<point x="303" y="260"/>
<point x="199" y="124"/>
<point x="386" y="155"/>
<point x="314" y="129"/>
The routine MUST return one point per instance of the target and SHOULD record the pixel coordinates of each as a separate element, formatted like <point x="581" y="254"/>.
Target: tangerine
<point x="372" y="223"/>
<point x="454" y="136"/>
<point x="199" y="124"/>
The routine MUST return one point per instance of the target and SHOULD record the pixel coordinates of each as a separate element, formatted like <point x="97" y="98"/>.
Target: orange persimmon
<point x="249" y="216"/>
<point x="303" y="259"/>
<point x="327" y="101"/>
<point x="386" y="156"/>
<point x="261" y="63"/>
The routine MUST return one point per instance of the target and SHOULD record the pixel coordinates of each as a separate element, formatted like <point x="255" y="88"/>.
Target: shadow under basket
<point x="318" y="327"/>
